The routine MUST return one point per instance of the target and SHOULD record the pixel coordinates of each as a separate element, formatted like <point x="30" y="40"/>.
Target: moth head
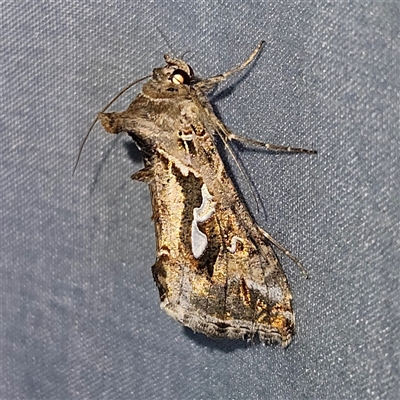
<point x="176" y="71"/>
<point x="170" y="81"/>
<point x="182" y="73"/>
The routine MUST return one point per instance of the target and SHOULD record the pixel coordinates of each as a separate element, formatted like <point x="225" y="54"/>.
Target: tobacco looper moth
<point x="216" y="270"/>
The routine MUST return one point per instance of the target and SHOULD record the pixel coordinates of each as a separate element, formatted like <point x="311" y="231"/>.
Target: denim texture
<point x="80" y="315"/>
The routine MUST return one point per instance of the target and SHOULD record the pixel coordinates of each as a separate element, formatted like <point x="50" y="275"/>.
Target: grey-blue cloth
<point x="80" y="315"/>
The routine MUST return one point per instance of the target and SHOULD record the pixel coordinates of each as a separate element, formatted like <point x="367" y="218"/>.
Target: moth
<point x="216" y="270"/>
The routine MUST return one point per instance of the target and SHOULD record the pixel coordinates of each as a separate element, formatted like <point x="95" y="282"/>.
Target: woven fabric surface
<point x="80" y="315"/>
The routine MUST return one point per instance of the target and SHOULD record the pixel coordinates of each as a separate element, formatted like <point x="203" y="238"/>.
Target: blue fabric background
<point x="80" y="315"/>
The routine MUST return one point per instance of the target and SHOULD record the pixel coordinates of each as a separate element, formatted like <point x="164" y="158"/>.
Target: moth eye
<point x="180" y="77"/>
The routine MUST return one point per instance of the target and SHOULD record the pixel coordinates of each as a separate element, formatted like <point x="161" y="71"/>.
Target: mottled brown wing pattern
<point x="236" y="288"/>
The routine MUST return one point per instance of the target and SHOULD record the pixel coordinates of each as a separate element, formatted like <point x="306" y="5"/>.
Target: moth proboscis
<point x="216" y="269"/>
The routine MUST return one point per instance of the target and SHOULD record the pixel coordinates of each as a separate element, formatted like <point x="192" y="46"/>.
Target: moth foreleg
<point x="209" y="83"/>
<point x="146" y="175"/>
<point x="268" y="146"/>
<point x="113" y="122"/>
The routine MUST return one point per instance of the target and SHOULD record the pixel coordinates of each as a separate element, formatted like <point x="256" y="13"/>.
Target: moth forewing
<point x="216" y="271"/>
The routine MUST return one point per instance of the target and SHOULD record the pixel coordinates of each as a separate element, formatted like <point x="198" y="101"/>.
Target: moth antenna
<point x="184" y="54"/>
<point x="170" y="49"/>
<point x="96" y="119"/>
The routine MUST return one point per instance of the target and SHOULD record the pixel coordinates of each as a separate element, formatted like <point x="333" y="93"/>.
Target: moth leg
<point x="145" y="174"/>
<point x="209" y="83"/>
<point x="268" y="146"/>
<point x="285" y="251"/>
<point x="113" y="122"/>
